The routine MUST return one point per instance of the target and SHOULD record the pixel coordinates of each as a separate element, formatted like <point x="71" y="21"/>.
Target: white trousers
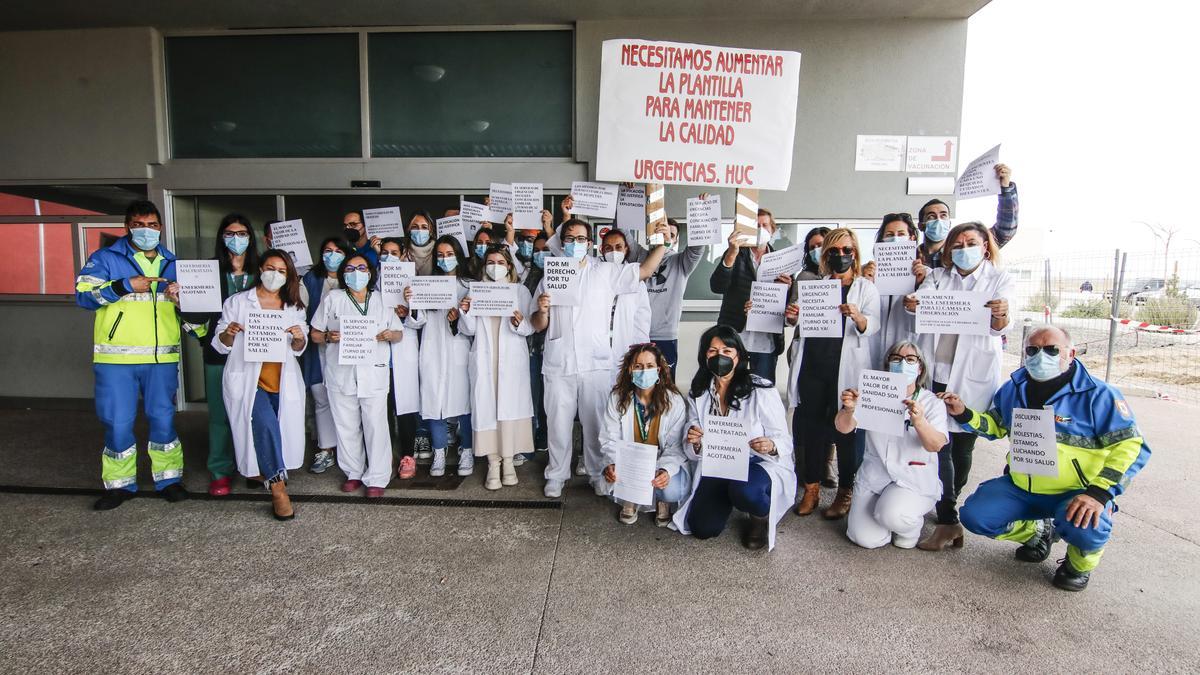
<point x="875" y="517"/>
<point x="326" y="430"/>
<point x="364" y="443"/>
<point x="566" y="395"/>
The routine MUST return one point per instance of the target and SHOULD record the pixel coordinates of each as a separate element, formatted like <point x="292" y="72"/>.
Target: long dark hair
<point x="223" y="254"/>
<point x="809" y="265"/>
<point x="452" y="241"/>
<point x="428" y="219"/>
<point x="743" y="383"/>
<point x="890" y="218"/>
<point x="290" y="293"/>
<point x="318" y="269"/>
<point x="660" y="400"/>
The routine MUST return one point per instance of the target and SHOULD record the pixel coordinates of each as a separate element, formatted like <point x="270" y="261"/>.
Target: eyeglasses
<point x="845" y="250"/>
<point x="360" y="268"/>
<point x="910" y="359"/>
<point x="575" y="240"/>
<point x="1052" y="350"/>
<point x="240" y="235"/>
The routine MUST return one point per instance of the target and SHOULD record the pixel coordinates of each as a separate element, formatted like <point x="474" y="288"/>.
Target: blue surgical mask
<point x="814" y="255"/>
<point x="539" y="259"/>
<point x="891" y="239"/>
<point x="911" y="370"/>
<point x="480" y="250"/>
<point x="525" y="248"/>
<point x="236" y="245"/>
<point x="447" y="264"/>
<point x="145" y="238"/>
<point x="332" y="259"/>
<point x="937" y="229"/>
<point x="419" y="237"/>
<point x="388" y="257"/>
<point x="644" y="379"/>
<point x="967" y="258"/>
<point x="576" y="250"/>
<point x="1042" y="366"/>
<point x="357" y="280"/>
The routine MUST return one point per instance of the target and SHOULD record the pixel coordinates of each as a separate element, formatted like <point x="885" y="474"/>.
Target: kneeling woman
<point x="265" y="401"/>
<point x="645" y="407"/>
<point x="898" y="480"/>
<point x="724" y="387"/>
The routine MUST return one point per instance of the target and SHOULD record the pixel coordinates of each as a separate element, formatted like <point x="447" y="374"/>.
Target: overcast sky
<point x="1095" y="103"/>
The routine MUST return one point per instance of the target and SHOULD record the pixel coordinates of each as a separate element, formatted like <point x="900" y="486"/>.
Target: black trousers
<point x="954" y="468"/>
<point x="812" y="426"/>
<point x="406" y="430"/>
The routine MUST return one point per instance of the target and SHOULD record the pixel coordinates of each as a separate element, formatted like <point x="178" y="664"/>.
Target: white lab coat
<point x="764" y="412"/>
<point x="406" y="379"/>
<point x="365" y="380"/>
<point x="856" y="347"/>
<point x="631" y="323"/>
<point x="239" y="385"/>
<point x="895" y="325"/>
<point x="672" y="428"/>
<point x="975" y="372"/>
<point x="577" y="339"/>
<point x="516" y="401"/>
<point x="445" y="358"/>
<point x="902" y="459"/>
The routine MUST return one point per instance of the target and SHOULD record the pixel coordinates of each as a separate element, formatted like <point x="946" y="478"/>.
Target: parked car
<point x="1192" y="293"/>
<point x="1132" y="288"/>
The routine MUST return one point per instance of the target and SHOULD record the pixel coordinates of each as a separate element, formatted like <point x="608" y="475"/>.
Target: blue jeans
<point x="997" y="505"/>
<point x="268" y="442"/>
<point x="715" y="499"/>
<point x="439" y="437"/>
<point x="763" y="365"/>
<point x="118" y="387"/>
<point x="538" y="388"/>
<point x="677" y="490"/>
<point x="670" y="352"/>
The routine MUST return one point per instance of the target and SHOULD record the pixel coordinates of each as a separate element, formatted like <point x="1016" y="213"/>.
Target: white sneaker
<point x="580" y="469"/>
<point x="628" y="514"/>
<point x="519" y="459"/>
<point x="438" y="468"/>
<point x="508" y="472"/>
<point x="493" y="476"/>
<point x="600" y="486"/>
<point x="554" y="489"/>
<point x="903" y="542"/>
<point x="466" y="462"/>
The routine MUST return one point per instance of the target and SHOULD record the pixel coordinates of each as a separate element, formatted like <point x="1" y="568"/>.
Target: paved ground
<point x="347" y="586"/>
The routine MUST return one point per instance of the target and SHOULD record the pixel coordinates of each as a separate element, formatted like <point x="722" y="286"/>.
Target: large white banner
<point x="690" y="114"/>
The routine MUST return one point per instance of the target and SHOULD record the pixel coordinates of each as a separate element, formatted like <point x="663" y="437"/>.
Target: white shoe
<point x="519" y="459"/>
<point x="466" y="462"/>
<point x="438" y="468"/>
<point x="508" y="472"/>
<point x="493" y="476"/>
<point x="554" y="489"/>
<point x="601" y="486"/>
<point x="580" y="469"/>
<point x="903" y="542"/>
<point x="628" y="514"/>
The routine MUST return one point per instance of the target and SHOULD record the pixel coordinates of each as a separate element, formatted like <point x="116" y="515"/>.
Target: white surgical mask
<point x="273" y="280"/>
<point x="617" y="257"/>
<point x="496" y="271"/>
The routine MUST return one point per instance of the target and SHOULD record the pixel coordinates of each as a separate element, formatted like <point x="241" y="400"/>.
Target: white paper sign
<point x="394" y="277"/>
<point x="880" y="402"/>
<point x="561" y="280"/>
<point x="704" y="221"/>
<point x="472" y="216"/>
<point x="430" y="292"/>
<point x="453" y="226"/>
<point x="953" y="312"/>
<point x="356" y="345"/>
<point x="265" y="336"/>
<point x="819" y="314"/>
<point x="880" y="153"/>
<point x="199" y="285"/>
<point x="493" y="299"/>
<point x="636" y="465"/>
<point x="631" y="208"/>
<point x="499" y="202"/>
<point x="931" y="154"/>
<point x="527" y="206"/>
<point x="1033" y="442"/>
<point x="725" y="449"/>
<point x="787" y="261"/>
<point x="690" y="114"/>
<point x="594" y="199"/>
<point x="979" y="178"/>
<point x="894" y="267"/>
<point x="289" y="236"/>
<point x="384" y="222"/>
<point x="768" y="301"/>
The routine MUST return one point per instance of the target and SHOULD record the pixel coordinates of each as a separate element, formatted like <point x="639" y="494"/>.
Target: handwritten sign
<point x="265" y="336"/>
<point x="394" y="277"/>
<point x="725" y="450"/>
<point x="356" y="346"/>
<point x="433" y="292"/>
<point x="594" y="199"/>
<point x="635" y="466"/>
<point x="696" y="114"/>
<point x="1033" y="442"/>
<point x="527" y="206"/>
<point x="979" y="178"/>
<point x="453" y="226"/>
<point x="499" y="202"/>
<point x="880" y="402"/>
<point x="631" y="208"/>
<point x="288" y="236"/>
<point x="473" y="216"/>
<point x="953" y="313"/>
<point x="493" y="299"/>
<point x="768" y="301"/>
<point x="199" y="285"/>
<point x="384" y="222"/>
<point x="819" y="314"/>
<point x="787" y="261"/>
<point x="561" y="280"/>
<point x="894" y="267"/>
<point x="704" y="221"/>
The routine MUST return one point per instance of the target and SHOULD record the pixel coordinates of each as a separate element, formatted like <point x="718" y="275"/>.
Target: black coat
<point x="733" y="285"/>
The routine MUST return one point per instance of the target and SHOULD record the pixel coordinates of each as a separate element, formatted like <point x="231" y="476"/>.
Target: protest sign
<point x="288" y="236"/>
<point x="561" y="280"/>
<point x="635" y="466"/>
<point x="725" y="448"/>
<point x="384" y="222"/>
<point x="819" y="302"/>
<point x="894" y="267"/>
<point x="1033" y="442"/>
<point x="979" y="178"/>
<point x="499" y="202"/>
<point x="953" y="312"/>
<point x="394" y="277"/>
<point x="489" y="298"/>
<point x="768" y="302"/>
<point x="199" y="285"/>
<point x="881" y="397"/>
<point x="787" y="261"/>
<point x="264" y="337"/>
<point x="429" y="292"/>
<point x="453" y="226"/>
<point x="473" y="216"/>
<point x="356" y="344"/>
<point x="704" y="221"/>
<point x="527" y="206"/>
<point x="631" y="208"/>
<point x="594" y="199"/>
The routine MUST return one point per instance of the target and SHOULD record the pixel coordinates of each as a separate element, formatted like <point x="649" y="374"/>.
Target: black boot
<point x="112" y="499"/>
<point x="1070" y="579"/>
<point x="1037" y="549"/>
<point x="756" y="533"/>
<point x="174" y="493"/>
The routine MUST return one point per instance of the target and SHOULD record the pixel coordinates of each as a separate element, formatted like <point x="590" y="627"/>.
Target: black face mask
<point x="840" y="263"/>
<point x="720" y="365"/>
<point x="351" y="234"/>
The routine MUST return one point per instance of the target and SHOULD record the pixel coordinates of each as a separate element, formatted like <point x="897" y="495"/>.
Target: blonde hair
<point x="833" y="238"/>
<point x="991" y="250"/>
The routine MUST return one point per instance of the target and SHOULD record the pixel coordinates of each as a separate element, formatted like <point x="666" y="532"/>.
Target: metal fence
<point x="1153" y="346"/>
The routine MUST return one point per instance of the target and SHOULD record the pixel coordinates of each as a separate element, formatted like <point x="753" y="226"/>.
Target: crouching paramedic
<point x="131" y="288"/>
<point x="1099" y="450"/>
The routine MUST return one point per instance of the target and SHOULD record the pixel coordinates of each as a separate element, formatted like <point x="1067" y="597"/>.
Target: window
<point x="264" y="96"/>
<point x="471" y="94"/>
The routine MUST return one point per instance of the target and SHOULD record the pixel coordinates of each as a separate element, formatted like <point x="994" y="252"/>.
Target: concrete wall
<point x="47" y="350"/>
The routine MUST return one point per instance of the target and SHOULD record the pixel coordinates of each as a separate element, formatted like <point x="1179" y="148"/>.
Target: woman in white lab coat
<point x="265" y="401"/>
<point x="501" y="402"/>
<point x="822" y="367"/>
<point x="445" y="355"/>
<point x="406" y="391"/>
<point x="725" y="387"/>
<point x="645" y="407"/>
<point x="898" y="481"/>
<point x="631" y="311"/>
<point x="895" y="324"/>
<point x="968" y="365"/>
<point x="358" y="392"/>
